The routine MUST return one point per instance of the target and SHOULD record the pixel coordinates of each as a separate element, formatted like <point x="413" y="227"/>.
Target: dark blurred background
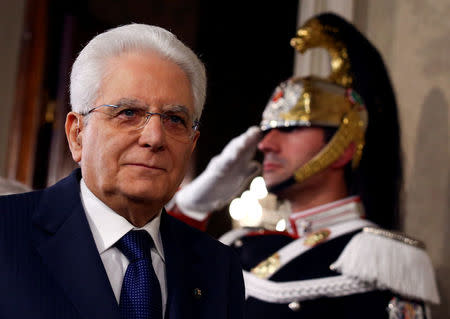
<point x="244" y="44"/>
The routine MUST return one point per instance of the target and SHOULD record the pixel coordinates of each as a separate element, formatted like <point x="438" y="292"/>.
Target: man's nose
<point x="270" y="141"/>
<point x="153" y="134"/>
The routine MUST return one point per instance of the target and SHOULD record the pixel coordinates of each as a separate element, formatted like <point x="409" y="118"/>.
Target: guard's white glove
<point x="223" y="179"/>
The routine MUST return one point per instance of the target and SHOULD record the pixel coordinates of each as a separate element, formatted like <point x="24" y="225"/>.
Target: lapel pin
<point x="198" y="293"/>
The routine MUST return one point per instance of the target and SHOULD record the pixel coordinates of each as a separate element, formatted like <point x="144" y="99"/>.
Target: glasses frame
<point x="195" y="126"/>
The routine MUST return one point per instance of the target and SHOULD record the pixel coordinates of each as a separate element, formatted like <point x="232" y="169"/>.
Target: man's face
<point x="145" y="165"/>
<point x="287" y="150"/>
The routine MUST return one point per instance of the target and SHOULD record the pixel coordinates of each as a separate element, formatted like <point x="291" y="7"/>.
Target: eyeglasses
<point x="176" y="122"/>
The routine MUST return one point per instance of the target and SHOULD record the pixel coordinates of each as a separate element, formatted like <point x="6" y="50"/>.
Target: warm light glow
<point x="258" y="187"/>
<point x="247" y="209"/>
<point x="248" y="196"/>
<point x="236" y="211"/>
<point x="281" y="225"/>
<point x="254" y="214"/>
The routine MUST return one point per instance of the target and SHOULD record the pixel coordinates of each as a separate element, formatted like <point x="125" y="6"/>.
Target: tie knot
<point x="135" y="244"/>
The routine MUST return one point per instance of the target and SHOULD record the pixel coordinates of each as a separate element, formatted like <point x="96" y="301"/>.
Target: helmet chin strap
<point x="350" y="130"/>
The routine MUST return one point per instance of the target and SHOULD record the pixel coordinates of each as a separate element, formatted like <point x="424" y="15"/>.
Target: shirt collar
<point x="108" y="227"/>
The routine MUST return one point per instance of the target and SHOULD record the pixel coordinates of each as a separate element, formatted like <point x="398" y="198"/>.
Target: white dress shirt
<point x="107" y="228"/>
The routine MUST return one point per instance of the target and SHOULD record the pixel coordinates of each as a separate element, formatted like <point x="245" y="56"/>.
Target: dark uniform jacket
<point x="372" y="302"/>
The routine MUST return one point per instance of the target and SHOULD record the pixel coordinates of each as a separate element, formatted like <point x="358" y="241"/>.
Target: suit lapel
<point x="63" y="238"/>
<point x="180" y="269"/>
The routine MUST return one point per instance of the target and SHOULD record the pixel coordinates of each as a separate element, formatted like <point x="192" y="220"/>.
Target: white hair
<point x="90" y="67"/>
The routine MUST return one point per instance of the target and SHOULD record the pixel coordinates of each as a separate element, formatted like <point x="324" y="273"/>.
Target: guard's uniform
<point x="334" y="262"/>
<point x="288" y="275"/>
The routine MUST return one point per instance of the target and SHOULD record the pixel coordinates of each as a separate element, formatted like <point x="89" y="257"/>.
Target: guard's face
<point x="287" y="150"/>
<point x="143" y="165"/>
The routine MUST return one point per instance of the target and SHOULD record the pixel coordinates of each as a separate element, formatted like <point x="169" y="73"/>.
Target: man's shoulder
<point x="16" y="214"/>
<point x="18" y="201"/>
<point x="15" y="207"/>
<point x="194" y="236"/>
<point x="26" y="197"/>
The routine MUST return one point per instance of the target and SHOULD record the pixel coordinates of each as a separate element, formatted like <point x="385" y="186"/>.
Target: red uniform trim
<point x="178" y="214"/>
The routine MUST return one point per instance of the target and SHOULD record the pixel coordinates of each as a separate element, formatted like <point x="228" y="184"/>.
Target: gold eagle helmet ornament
<point x="324" y="102"/>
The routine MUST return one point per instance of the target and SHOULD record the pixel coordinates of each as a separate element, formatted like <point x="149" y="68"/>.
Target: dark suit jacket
<point x="50" y="266"/>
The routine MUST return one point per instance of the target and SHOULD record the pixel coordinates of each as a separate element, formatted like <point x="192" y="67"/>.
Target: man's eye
<point x="175" y="119"/>
<point x="128" y="112"/>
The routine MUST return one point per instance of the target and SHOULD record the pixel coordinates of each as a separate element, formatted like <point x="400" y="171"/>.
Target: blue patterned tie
<point x="140" y="296"/>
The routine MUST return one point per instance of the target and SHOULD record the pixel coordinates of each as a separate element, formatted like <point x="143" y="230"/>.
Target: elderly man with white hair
<point x="99" y="243"/>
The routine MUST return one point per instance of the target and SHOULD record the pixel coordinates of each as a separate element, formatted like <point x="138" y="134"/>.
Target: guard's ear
<point x="74" y="134"/>
<point x="345" y="157"/>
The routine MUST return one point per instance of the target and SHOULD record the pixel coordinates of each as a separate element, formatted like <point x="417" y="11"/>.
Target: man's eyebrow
<point x="139" y="104"/>
<point x="131" y="102"/>
<point x="176" y="108"/>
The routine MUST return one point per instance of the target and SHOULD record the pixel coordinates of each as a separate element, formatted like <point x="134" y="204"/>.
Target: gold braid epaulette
<point x="395" y="236"/>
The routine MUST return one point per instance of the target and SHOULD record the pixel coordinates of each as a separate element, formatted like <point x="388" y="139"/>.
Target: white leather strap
<point x="229" y="237"/>
<point x="286" y="292"/>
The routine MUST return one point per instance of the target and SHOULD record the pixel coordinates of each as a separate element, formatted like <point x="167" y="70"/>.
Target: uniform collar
<point x="326" y="215"/>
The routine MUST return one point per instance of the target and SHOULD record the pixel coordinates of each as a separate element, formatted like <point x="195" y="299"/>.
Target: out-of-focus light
<point x="258" y="187"/>
<point x="249" y="196"/>
<point x="236" y="210"/>
<point x="246" y="209"/>
<point x="254" y="214"/>
<point x="281" y="225"/>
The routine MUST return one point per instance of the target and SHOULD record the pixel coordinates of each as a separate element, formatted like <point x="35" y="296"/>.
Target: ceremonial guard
<point x="331" y="149"/>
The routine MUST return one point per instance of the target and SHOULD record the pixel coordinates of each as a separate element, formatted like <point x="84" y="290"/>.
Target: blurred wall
<point x="11" y="21"/>
<point x="414" y="38"/>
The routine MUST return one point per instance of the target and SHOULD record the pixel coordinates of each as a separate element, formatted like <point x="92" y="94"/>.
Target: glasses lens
<point x="176" y="124"/>
<point x="127" y="117"/>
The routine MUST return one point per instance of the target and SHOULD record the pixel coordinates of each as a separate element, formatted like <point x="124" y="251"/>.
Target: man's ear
<point x="74" y="134"/>
<point x="345" y="157"/>
<point x="194" y="140"/>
